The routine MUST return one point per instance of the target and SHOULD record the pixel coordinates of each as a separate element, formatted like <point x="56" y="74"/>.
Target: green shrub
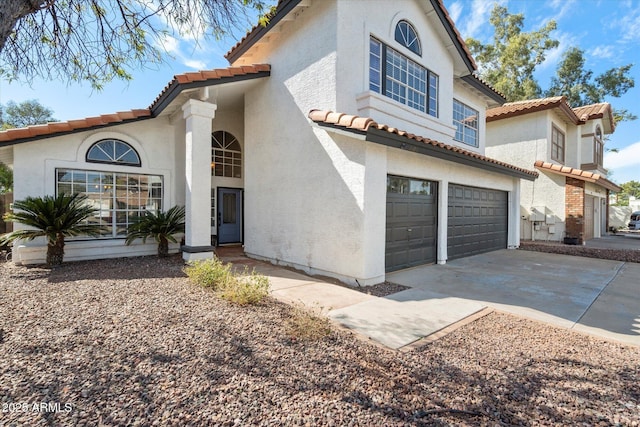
<point x="210" y="273"/>
<point x="242" y="289"/>
<point x="248" y="288"/>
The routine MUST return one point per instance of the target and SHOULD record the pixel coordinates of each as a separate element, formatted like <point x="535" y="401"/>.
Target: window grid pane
<point x="557" y="145"/>
<point x="375" y="62"/>
<point x="226" y="157"/>
<point x="465" y="119"/>
<point x="118" y="197"/>
<point x="405" y="81"/>
<point x="113" y="151"/>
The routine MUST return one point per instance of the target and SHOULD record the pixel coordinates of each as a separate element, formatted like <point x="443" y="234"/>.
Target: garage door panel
<point x="477" y="220"/>
<point x="411" y="223"/>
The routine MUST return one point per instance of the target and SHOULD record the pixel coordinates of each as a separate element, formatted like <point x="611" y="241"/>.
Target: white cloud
<point x="561" y="8"/>
<point x="603" y="52"/>
<point x="176" y="49"/>
<point x="630" y="26"/>
<point x="168" y="43"/>
<point x="553" y="56"/>
<point x="627" y="157"/>
<point x="195" y="64"/>
<point x="455" y="10"/>
<point x="479" y="16"/>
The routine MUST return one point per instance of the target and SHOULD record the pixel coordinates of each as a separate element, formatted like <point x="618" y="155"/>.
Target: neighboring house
<point x="571" y="196"/>
<point x="302" y="160"/>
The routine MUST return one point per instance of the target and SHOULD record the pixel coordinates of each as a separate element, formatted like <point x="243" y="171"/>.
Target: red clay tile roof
<point x="459" y="38"/>
<point x="202" y="78"/>
<point x="364" y="124"/>
<point x="513" y="109"/>
<point x="180" y="81"/>
<point x="578" y="174"/>
<point x="602" y="110"/>
<point x="72" y="125"/>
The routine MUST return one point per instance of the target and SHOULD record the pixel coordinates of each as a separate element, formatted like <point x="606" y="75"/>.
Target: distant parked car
<point x="634" y="222"/>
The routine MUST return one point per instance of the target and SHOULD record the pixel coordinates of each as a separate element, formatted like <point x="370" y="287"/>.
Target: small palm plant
<point x="54" y="218"/>
<point x="161" y="226"/>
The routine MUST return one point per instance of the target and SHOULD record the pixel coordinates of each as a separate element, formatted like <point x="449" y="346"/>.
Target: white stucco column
<point x="198" y="116"/>
<point x="443" y="221"/>
<point x="513" y="234"/>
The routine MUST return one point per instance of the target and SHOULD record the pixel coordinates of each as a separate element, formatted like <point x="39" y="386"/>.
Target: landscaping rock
<point x="133" y="342"/>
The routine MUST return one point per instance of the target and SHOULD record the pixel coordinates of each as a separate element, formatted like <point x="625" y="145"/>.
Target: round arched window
<point x="113" y="151"/>
<point x="226" y="155"/>
<point x="406" y="35"/>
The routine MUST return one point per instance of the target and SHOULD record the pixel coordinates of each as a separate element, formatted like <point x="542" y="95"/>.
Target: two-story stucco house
<point x="571" y="196"/>
<point x="346" y="139"/>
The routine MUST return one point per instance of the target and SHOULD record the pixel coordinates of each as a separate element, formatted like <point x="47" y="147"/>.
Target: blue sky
<point x="607" y="30"/>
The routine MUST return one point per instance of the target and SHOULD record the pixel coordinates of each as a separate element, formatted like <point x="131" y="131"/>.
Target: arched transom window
<point x="226" y="155"/>
<point x="406" y="35"/>
<point x="113" y="151"/>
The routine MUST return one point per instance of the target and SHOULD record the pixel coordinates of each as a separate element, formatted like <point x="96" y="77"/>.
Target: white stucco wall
<point x="354" y="96"/>
<point x="521" y="141"/>
<point x="314" y="199"/>
<point x="34" y="175"/>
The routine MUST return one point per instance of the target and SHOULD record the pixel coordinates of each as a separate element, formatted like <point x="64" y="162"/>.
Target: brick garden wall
<point x="574" y="208"/>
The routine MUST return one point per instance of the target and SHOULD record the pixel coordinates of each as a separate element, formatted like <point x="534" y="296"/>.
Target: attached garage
<point x="411" y="229"/>
<point x="477" y="220"/>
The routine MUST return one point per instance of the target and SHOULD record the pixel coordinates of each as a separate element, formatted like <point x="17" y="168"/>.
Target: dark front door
<point x="229" y="215"/>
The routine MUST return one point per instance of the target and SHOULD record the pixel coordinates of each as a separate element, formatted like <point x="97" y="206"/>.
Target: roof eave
<point x="176" y="88"/>
<point x="397" y="141"/>
<point x="63" y="133"/>
<point x="284" y="7"/>
<point x="464" y="54"/>
<point x="484" y="89"/>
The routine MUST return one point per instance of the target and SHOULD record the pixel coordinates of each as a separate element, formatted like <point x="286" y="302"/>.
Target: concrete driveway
<point x="601" y="297"/>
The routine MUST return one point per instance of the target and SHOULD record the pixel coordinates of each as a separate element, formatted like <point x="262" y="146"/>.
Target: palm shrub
<point x="53" y="217"/>
<point x="161" y="226"/>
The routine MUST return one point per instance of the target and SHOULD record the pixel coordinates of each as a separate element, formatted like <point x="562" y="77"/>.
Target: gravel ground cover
<point x="132" y="342"/>
<point x="626" y="255"/>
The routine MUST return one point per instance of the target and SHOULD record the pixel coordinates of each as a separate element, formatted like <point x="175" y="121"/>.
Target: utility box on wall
<point x="537" y="214"/>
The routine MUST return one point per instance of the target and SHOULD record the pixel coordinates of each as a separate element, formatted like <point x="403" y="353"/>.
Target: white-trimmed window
<point x="395" y="75"/>
<point x="407" y="36"/>
<point x="119" y="196"/>
<point x="598" y="147"/>
<point x="226" y="155"/>
<point x="557" y="144"/>
<point x="113" y="151"/>
<point x="465" y="119"/>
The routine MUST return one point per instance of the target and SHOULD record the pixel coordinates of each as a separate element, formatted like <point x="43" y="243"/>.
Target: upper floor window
<point x="398" y="77"/>
<point x="113" y="151"/>
<point x="557" y="145"/>
<point x="406" y="35"/>
<point x="598" y="147"/>
<point x="226" y="155"/>
<point x="465" y="119"/>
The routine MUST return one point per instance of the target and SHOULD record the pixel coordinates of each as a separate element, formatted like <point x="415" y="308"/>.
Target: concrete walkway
<point x="394" y="321"/>
<point x="600" y="297"/>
